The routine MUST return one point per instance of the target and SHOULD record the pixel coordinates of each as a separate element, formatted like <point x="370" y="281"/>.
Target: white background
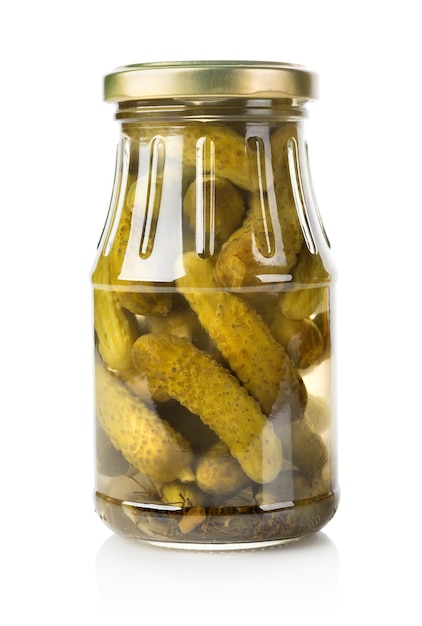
<point x="60" y="564"/>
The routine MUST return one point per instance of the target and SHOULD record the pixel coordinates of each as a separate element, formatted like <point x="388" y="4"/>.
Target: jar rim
<point x="190" y="80"/>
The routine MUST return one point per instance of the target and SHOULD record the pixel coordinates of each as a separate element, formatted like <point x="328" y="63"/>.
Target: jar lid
<point x="211" y="79"/>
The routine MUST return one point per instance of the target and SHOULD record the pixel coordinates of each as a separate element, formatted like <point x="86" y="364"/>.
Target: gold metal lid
<point x="211" y="79"/>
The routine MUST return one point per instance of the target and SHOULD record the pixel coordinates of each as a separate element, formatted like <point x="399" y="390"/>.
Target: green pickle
<point x="214" y="418"/>
<point x="215" y="199"/>
<point x="219" y="473"/>
<point x="230" y="411"/>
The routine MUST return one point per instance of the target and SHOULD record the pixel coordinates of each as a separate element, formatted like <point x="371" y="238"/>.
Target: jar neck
<point x="221" y="110"/>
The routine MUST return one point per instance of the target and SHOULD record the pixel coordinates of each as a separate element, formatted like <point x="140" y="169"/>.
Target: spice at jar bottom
<point x="212" y="298"/>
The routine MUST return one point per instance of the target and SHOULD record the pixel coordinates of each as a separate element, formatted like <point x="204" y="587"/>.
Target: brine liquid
<point x="299" y="501"/>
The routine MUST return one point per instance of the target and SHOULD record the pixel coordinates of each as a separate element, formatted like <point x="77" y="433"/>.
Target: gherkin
<point x="115" y="327"/>
<point x="218" y="472"/>
<point x="259" y="247"/>
<point x="215" y="205"/>
<point x="146" y="441"/>
<point x="223" y="150"/>
<point x="302" y="339"/>
<point x="303" y="446"/>
<point x="225" y="153"/>
<point x="269" y="240"/>
<point x="138" y="298"/>
<point x="241" y="335"/>
<point x="310" y="293"/>
<point x="182" y="323"/>
<point x="184" y="372"/>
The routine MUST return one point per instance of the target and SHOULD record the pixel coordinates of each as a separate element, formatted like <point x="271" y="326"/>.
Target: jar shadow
<point x="301" y="576"/>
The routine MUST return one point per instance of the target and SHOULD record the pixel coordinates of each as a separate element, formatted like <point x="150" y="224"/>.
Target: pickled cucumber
<point x="116" y="328"/>
<point x="318" y="412"/>
<point x="184" y="372"/>
<point x="241" y="335"/>
<point x="146" y="441"/>
<point x="302" y="339"/>
<point x="135" y="296"/>
<point x="226" y="209"/>
<point x="139" y="387"/>
<point x="182" y="323"/>
<point x="228" y="154"/>
<point x="270" y="238"/>
<point x="299" y="303"/>
<point x="110" y="461"/>
<point x="217" y="472"/>
<point x="303" y="446"/>
<point x="258" y="248"/>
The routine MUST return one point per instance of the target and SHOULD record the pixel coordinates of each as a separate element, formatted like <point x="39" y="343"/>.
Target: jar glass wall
<point x="212" y="290"/>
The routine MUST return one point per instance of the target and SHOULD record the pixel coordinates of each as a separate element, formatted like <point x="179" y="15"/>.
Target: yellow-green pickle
<point x="212" y="299"/>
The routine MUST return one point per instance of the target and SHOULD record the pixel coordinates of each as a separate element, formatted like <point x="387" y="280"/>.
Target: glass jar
<point x="215" y="422"/>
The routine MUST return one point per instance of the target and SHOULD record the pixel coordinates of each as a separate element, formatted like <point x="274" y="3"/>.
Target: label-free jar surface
<point x="212" y="292"/>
